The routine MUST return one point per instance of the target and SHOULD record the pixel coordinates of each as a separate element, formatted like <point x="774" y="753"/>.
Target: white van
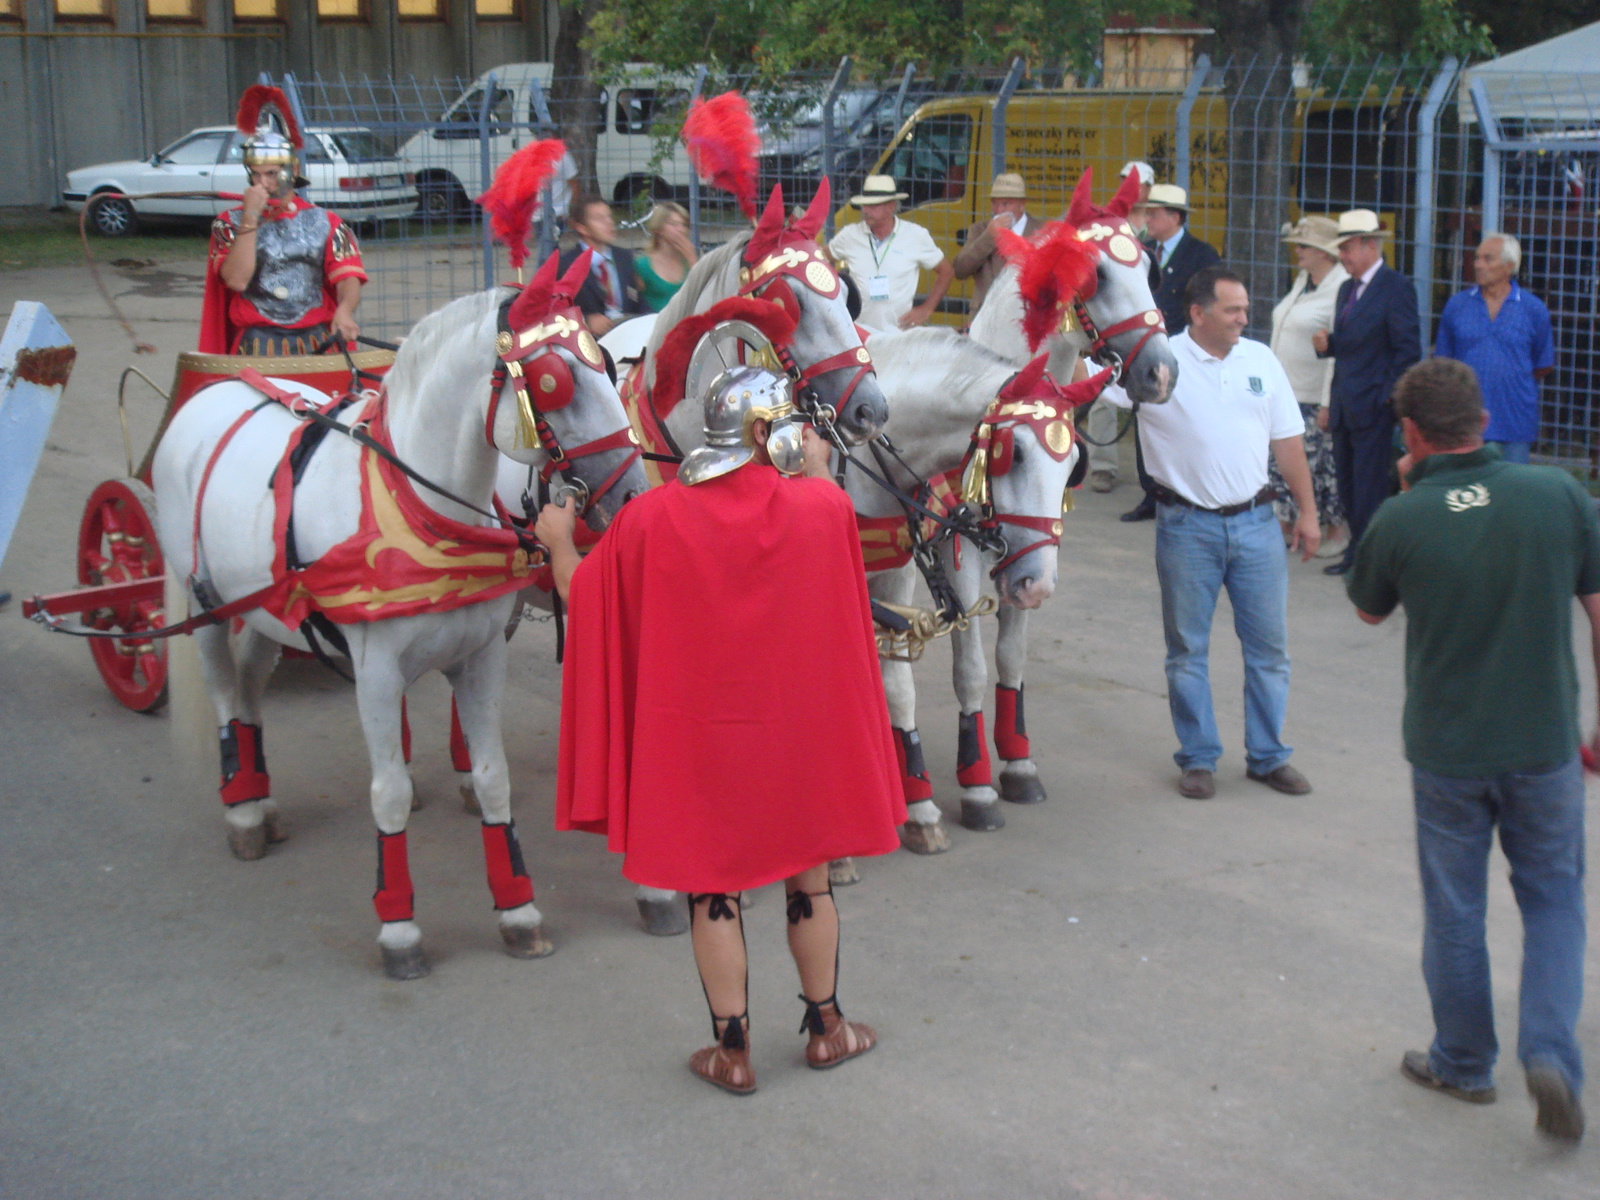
<point x="448" y="160"/>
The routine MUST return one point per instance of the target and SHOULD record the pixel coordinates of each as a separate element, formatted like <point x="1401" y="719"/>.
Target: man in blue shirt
<point x="1503" y="334"/>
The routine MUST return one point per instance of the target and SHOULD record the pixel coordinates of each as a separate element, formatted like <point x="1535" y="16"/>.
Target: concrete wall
<point x="81" y="100"/>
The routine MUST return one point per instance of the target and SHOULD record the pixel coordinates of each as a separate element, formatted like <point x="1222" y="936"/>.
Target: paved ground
<point x="1123" y="994"/>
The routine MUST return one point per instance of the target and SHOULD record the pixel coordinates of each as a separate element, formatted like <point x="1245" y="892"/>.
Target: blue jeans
<point x="1540" y="814"/>
<point x="1517" y="452"/>
<point x="1198" y="554"/>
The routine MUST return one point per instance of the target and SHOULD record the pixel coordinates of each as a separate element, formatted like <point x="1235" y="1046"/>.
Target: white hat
<point x="1147" y="173"/>
<point x="1320" y="233"/>
<point x="1359" y="222"/>
<point x="1008" y="186"/>
<point x="877" y="190"/>
<point x="1169" y="195"/>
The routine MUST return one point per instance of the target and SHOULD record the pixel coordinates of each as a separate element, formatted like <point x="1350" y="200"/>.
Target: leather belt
<point x="1166" y="495"/>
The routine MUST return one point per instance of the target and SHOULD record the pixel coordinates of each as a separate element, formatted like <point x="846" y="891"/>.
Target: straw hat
<point x="1320" y="233"/>
<point x="1008" y="186"/>
<point x="1359" y="222"/>
<point x="1169" y="195"/>
<point x="1147" y="173"/>
<point x="877" y="190"/>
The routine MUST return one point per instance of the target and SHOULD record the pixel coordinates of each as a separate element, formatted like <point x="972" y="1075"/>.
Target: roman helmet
<point x="736" y="400"/>
<point x="269" y="142"/>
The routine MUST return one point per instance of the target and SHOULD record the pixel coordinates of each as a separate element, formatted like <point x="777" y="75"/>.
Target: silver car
<point x="348" y="170"/>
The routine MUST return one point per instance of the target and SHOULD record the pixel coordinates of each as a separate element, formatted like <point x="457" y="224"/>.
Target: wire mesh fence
<point x="1256" y="143"/>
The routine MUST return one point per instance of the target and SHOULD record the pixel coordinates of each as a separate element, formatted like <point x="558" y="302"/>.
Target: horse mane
<point x="450" y="339"/>
<point x="962" y="365"/>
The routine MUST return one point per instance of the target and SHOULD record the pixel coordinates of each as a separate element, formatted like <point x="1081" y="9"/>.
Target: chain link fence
<point x="1256" y="143"/>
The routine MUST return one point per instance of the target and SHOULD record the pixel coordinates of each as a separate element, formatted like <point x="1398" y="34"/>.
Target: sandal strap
<point x="733" y="1033"/>
<point x="724" y="906"/>
<point x="800" y="908"/>
<point x="812" y="1022"/>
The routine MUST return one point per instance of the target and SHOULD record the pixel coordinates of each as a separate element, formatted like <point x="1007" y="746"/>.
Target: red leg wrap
<point x="508" y="878"/>
<point x="405" y="732"/>
<point x="394" y="898"/>
<point x="460" y="757"/>
<point x="1010" y="730"/>
<point x="913" y="771"/>
<point x="244" y="764"/>
<point x="972" y="754"/>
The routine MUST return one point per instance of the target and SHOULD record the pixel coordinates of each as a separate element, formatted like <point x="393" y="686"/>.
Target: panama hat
<point x="1169" y="195"/>
<point x="1008" y="186"/>
<point x="877" y="190"/>
<point x="1320" y="233"/>
<point x="1359" y="222"/>
<point x="1147" y="174"/>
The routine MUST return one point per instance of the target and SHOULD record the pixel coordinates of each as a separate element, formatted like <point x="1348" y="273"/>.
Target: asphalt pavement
<point x="1123" y="994"/>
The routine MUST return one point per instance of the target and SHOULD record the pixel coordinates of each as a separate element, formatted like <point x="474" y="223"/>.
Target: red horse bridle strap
<point x="1049" y="526"/>
<point x="1150" y="321"/>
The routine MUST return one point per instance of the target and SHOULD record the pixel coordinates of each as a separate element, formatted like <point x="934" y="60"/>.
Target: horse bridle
<point x="769" y="279"/>
<point x="1118" y="243"/>
<point x="529" y="360"/>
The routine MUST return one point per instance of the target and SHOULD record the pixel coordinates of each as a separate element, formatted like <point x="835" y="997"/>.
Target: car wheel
<point x="440" y="199"/>
<point x="112" y="215"/>
<point x="631" y="188"/>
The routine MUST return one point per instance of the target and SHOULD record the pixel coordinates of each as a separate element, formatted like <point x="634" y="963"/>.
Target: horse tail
<point x="193" y="718"/>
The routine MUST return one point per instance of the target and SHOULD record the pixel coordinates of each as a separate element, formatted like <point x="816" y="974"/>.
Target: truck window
<point x="466" y="113"/>
<point x="931" y="162"/>
<point x="635" y="108"/>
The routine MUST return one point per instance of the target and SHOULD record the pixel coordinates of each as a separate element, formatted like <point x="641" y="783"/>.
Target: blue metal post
<point x="1427" y="191"/>
<point x="840" y="76"/>
<point x="1191" y="93"/>
<point x="1493" y="143"/>
<point x="997" y="134"/>
<point x="486" y="174"/>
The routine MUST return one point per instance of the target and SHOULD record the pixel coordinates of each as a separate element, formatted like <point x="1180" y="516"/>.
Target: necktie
<point x="605" y="281"/>
<point x="1349" y="305"/>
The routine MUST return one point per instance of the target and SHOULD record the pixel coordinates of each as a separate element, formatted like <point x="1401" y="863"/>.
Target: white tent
<point x="1555" y="82"/>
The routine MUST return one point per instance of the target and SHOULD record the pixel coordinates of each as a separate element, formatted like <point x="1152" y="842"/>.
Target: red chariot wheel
<point x="117" y="544"/>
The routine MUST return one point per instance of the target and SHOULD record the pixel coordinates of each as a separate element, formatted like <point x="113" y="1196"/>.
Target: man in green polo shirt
<point x="1486" y="556"/>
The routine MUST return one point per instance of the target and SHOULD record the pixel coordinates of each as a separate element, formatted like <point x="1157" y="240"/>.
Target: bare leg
<point x="814" y="942"/>
<point x="717" y="930"/>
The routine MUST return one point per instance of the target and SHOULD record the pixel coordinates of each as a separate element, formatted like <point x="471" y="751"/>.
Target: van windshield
<point x="931" y="161"/>
<point x="357" y="145"/>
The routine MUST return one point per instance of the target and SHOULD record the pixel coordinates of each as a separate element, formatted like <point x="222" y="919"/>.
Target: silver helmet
<point x="736" y="400"/>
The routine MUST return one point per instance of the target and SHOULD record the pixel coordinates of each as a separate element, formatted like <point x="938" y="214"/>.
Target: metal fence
<point x="1256" y="143"/>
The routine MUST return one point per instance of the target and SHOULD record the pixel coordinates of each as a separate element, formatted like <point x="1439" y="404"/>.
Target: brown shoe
<point x="727" y="1064"/>
<point x="1415" y="1067"/>
<point x="1197" y="784"/>
<point x="833" y="1039"/>
<point x="1560" y="1113"/>
<point x="1284" y="779"/>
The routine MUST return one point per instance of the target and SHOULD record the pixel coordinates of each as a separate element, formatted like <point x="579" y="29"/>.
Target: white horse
<point x="444" y="419"/>
<point x="1120" y="311"/>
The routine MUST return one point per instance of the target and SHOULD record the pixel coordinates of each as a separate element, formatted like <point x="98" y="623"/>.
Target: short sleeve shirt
<point x="895" y="260"/>
<point x="1486" y="556"/>
<point x="1209" y="442"/>
<point x="1504" y="353"/>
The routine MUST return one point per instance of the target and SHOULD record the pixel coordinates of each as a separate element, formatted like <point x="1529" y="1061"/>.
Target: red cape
<point x="723" y="720"/>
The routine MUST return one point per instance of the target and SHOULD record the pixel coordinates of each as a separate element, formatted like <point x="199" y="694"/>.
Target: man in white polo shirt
<point x="1206" y="451"/>
<point x="884" y="255"/>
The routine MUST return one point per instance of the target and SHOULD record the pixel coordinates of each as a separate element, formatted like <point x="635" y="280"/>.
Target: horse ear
<point x="534" y="299"/>
<point x="1127" y="196"/>
<point x="811" y="224"/>
<point x="1082" y="206"/>
<point x="1078" y="394"/>
<point x="771" y="221"/>
<point x="1025" y="380"/>
<point x="576" y="273"/>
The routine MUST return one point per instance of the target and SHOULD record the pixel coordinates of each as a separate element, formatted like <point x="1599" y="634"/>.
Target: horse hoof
<point x="925" y="839"/>
<point x="842" y="872"/>
<point x="1021" y="789"/>
<point x="526" y="941"/>
<point x="982" y="818"/>
<point x="469" y="795"/>
<point x="404" y="963"/>
<point x="663" y="918"/>
<point x="248" y="844"/>
<point x="275" y="828"/>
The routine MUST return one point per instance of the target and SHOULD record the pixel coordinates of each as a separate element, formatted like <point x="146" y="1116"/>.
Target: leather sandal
<point x="727" y="1064"/>
<point x="833" y="1039"/>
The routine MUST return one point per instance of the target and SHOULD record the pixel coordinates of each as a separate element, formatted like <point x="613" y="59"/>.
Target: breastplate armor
<point x="289" y="260"/>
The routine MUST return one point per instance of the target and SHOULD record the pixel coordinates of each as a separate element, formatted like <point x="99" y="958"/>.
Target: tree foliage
<point x="1426" y="30"/>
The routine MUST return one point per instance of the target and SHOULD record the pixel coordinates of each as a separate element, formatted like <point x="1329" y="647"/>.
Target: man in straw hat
<point x="1374" y="339"/>
<point x="884" y="255"/>
<point x="1175" y="256"/>
<point x="980" y="260"/>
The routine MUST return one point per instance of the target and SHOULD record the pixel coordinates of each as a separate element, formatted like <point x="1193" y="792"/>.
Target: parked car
<point x="349" y="173"/>
<point x="448" y="160"/>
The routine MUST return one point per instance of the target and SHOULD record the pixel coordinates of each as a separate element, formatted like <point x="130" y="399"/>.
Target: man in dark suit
<point x="1175" y="255"/>
<point x="611" y="293"/>
<point x="1375" y="338"/>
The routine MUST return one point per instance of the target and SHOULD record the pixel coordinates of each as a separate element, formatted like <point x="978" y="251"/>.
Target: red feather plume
<point x="1050" y="273"/>
<point x="720" y="136"/>
<point x="258" y="96"/>
<point x="514" y="194"/>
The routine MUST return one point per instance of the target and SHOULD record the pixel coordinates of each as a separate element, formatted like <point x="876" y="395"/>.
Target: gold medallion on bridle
<point x="589" y="348"/>
<point x="1123" y="248"/>
<point x="1151" y="317"/>
<point x="862" y="356"/>
<point x="502" y="342"/>
<point x="547" y="383"/>
<point x="818" y="276"/>
<point x="1058" y="437"/>
<point x="1055" y="528"/>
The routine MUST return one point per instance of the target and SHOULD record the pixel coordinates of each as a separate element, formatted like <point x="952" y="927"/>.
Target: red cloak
<point x="723" y="720"/>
